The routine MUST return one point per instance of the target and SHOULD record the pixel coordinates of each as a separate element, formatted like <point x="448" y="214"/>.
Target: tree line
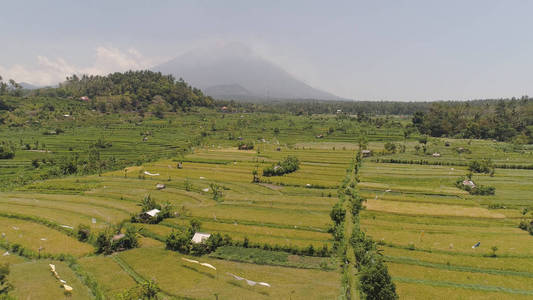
<point x="500" y="120"/>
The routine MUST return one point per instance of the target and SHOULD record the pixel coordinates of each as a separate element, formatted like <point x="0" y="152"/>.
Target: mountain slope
<point x="234" y="72"/>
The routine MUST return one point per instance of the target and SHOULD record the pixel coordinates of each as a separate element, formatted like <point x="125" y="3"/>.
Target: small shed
<point x="366" y="153"/>
<point x="469" y="183"/>
<point x="152" y="213"/>
<point x="200" y="237"/>
<point x="436" y="154"/>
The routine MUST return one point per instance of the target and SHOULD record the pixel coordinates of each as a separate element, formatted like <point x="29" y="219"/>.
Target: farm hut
<point x="469" y="183"/>
<point x="152" y="213"/>
<point x="118" y="237"/>
<point x="436" y="154"/>
<point x="339" y="111"/>
<point x="200" y="237"/>
<point x="145" y="139"/>
<point x="320" y="136"/>
<point x="366" y="153"/>
<point x="180" y="165"/>
<point x="160" y="186"/>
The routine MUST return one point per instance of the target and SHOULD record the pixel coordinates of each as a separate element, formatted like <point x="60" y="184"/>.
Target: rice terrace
<point x="360" y="206"/>
<point x="196" y="150"/>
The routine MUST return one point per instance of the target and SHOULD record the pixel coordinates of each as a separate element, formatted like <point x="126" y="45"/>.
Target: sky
<point x="363" y="50"/>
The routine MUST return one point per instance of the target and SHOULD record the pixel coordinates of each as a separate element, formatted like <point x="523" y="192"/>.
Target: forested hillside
<point x="137" y="89"/>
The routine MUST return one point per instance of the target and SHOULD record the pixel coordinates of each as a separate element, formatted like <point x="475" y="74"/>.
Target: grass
<point x="275" y="258"/>
<point x="200" y="282"/>
<point x="111" y="277"/>
<point x="33" y="236"/>
<point x="33" y="280"/>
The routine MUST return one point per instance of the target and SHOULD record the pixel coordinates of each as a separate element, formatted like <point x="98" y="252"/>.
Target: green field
<point x="424" y="225"/>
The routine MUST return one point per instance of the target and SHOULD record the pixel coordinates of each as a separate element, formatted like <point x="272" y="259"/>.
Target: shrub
<point x="5" y="287"/>
<point x="83" y="232"/>
<point x="390" y="147"/>
<point x="496" y="206"/>
<point x="481" y="190"/>
<point x="217" y="191"/>
<point x="337" y="213"/>
<point x="245" y="145"/>
<point x="484" y="166"/>
<point x="106" y="244"/>
<point x="288" y="165"/>
<point x="147" y="204"/>
<point x="7" y="151"/>
<point x="102" y="143"/>
<point x="179" y="241"/>
<point x="147" y="290"/>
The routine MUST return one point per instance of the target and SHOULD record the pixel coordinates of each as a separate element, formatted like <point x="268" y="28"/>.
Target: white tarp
<point x="249" y="282"/>
<point x="208" y="265"/>
<point x="190" y="260"/>
<point x="150" y="174"/>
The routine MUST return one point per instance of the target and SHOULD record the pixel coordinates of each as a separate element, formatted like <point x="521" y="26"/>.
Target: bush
<point x="484" y="166"/>
<point x="245" y="145"/>
<point x="288" y="165"/>
<point x="102" y="143"/>
<point x="147" y="204"/>
<point x="106" y="244"/>
<point x="7" y="151"/>
<point x="83" y="232"/>
<point x="483" y="190"/>
<point x="179" y="241"/>
<point x="147" y="290"/>
<point x="5" y="287"/>
<point x="480" y="190"/>
<point x="390" y="147"/>
<point x="337" y="213"/>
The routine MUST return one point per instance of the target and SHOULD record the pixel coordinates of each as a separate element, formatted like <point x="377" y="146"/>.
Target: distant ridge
<point x="233" y="71"/>
<point x="28" y="86"/>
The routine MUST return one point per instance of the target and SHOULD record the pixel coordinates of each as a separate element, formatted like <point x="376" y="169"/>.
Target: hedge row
<point x="375" y="281"/>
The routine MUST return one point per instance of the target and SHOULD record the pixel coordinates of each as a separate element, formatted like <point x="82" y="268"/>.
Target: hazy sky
<point x="365" y="50"/>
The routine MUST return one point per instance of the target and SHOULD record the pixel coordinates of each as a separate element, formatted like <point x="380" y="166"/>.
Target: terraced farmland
<point x="428" y="228"/>
<point x="424" y="224"/>
<point x="294" y="213"/>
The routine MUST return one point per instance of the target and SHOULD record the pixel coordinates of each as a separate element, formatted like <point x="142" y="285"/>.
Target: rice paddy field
<point x="286" y="212"/>
<point x="427" y="230"/>
<point x="424" y="224"/>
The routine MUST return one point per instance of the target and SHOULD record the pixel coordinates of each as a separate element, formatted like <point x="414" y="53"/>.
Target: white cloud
<point x="51" y="71"/>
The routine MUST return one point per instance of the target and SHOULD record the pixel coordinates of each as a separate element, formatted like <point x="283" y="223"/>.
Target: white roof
<point x="200" y="237"/>
<point x="153" y="212"/>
